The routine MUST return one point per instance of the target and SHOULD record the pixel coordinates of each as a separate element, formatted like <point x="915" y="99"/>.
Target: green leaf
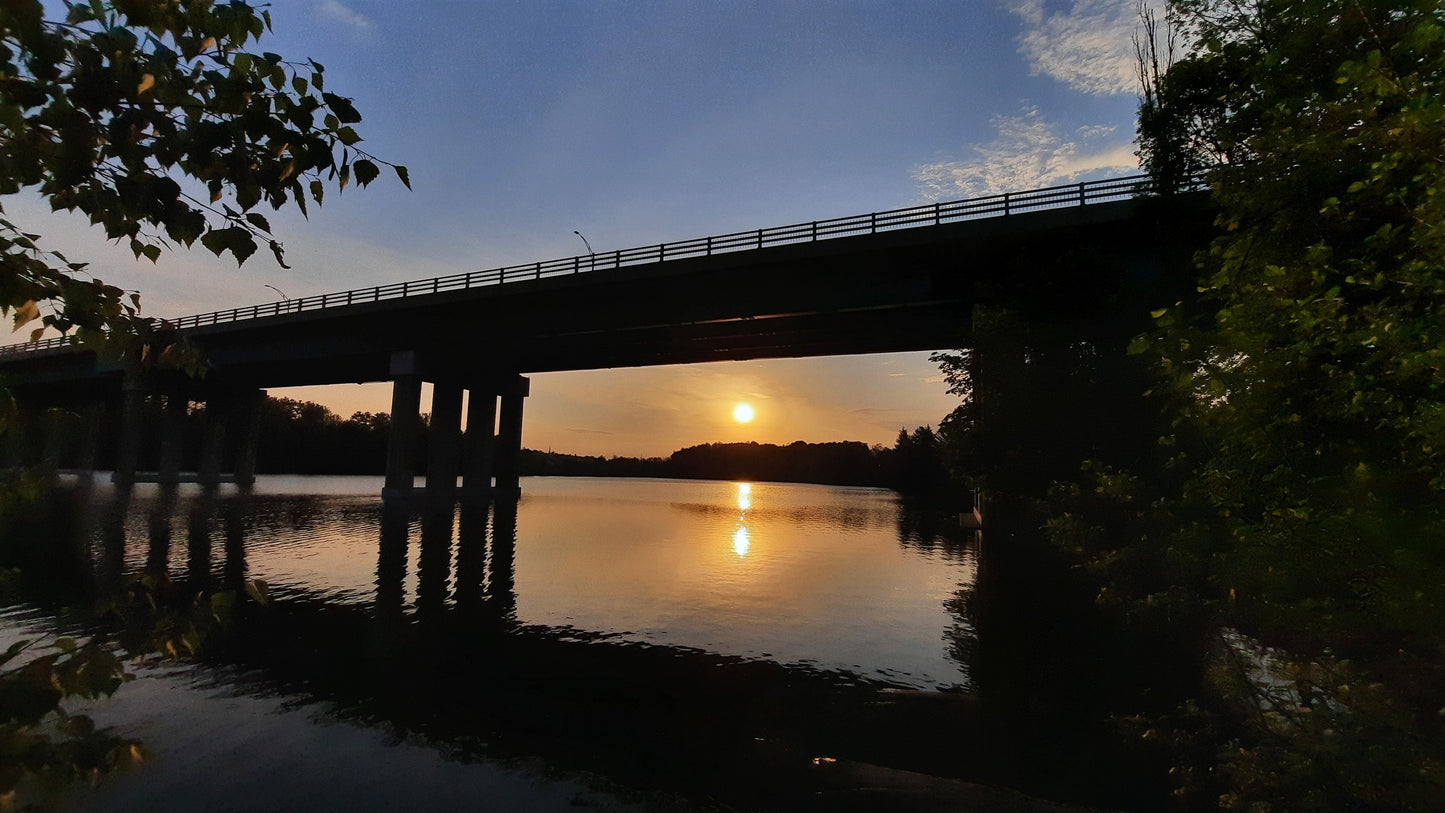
<point x="258" y="591"/>
<point x="366" y="171"/>
<point x="342" y="107"/>
<point x="215" y="241"/>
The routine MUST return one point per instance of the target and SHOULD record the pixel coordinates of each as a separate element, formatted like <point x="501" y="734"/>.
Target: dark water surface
<point x="600" y="644"/>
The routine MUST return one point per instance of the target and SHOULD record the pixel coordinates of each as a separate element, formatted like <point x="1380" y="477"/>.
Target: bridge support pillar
<point x="55" y="425"/>
<point x="405" y="419"/>
<point x="89" y="439"/>
<point x="246" y="422"/>
<point x="213" y="441"/>
<point x="132" y="409"/>
<point x="509" y="438"/>
<point x="446" y="435"/>
<point x="173" y="437"/>
<point x="481" y="442"/>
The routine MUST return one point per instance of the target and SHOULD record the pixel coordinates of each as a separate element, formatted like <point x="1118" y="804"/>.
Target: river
<point x="565" y="652"/>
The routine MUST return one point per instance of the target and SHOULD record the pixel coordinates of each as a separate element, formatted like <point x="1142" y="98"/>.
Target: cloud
<point x="874" y="412"/>
<point x="581" y="431"/>
<point x="1090" y="45"/>
<point x="1027" y="153"/>
<point x="337" y="11"/>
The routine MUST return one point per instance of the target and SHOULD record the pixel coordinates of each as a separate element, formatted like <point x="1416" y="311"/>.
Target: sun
<point x="743" y="413"/>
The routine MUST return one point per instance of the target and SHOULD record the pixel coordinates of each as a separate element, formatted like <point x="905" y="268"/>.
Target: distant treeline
<point x="300" y="437"/>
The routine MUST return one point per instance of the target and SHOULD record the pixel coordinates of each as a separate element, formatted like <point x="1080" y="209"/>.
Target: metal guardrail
<point x="1053" y="197"/>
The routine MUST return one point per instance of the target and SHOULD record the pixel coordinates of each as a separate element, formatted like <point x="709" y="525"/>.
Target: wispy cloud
<point x="338" y="11"/>
<point x="1089" y="44"/>
<point x="1028" y="152"/>
<point x="874" y="412"/>
<point x="581" y="431"/>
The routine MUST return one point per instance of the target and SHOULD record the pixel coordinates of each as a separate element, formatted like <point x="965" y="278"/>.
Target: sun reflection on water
<point x="740" y="536"/>
<point x="740" y="542"/>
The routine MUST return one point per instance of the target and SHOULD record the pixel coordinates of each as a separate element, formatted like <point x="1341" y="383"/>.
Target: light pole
<point x="277" y="290"/>
<point x="592" y="262"/>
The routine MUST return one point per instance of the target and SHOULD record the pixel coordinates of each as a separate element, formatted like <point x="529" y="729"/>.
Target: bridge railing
<point x="933" y="214"/>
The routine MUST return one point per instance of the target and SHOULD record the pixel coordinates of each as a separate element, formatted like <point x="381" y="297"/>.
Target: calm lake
<point x="488" y="657"/>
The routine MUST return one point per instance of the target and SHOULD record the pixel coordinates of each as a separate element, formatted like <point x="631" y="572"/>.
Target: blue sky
<point x="642" y="122"/>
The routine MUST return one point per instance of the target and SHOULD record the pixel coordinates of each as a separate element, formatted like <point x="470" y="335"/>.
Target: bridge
<point x="898" y="280"/>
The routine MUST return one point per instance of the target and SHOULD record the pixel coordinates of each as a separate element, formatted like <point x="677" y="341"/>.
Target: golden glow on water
<point x="831" y="577"/>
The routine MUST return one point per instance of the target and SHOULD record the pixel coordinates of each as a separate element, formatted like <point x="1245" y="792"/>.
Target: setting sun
<point x="743" y="413"/>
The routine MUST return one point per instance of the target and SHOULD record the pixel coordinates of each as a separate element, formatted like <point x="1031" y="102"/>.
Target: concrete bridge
<point x="900" y="280"/>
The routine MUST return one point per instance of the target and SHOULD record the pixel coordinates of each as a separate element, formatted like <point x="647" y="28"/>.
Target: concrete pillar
<point x="509" y="439"/>
<point x="213" y="442"/>
<point x="173" y="437"/>
<point x="132" y="415"/>
<point x="89" y="441"/>
<point x="405" y="418"/>
<point x="55" y="425"/>
<point x="446" y="437"/>
<point x="481" y="442"/>
<point x="12" y="443"/>
<point x="247" y="424"/>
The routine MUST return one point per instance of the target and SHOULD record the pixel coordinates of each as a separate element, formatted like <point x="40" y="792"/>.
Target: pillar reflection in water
<point x="502" y="564"/>
<point x="471" y="577"/>
<point x="112" y="540"/>
<point x="158" y="532"/>
<point x="484" y="586"/>
<point x="391" y="561"/>
<point x="434" y="564"/>
<point x="233" y="574"/>
<point x="198" y="542"/>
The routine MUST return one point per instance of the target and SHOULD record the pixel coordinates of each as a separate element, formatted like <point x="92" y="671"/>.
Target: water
<point x="590" y="596"/>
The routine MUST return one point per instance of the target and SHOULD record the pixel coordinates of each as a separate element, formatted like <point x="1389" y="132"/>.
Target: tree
<point x="153" y="119"/>
<point x="1318" y="379"/>
<point x="1310" y="390"/>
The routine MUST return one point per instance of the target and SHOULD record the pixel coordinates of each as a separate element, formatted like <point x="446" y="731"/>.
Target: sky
<point x="636" y="123"/>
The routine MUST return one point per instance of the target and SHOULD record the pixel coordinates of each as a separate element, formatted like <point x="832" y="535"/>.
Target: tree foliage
<point x="1309" y="411"/>
<point x="157" y="121"/>
<point x="1318" y="381"/>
